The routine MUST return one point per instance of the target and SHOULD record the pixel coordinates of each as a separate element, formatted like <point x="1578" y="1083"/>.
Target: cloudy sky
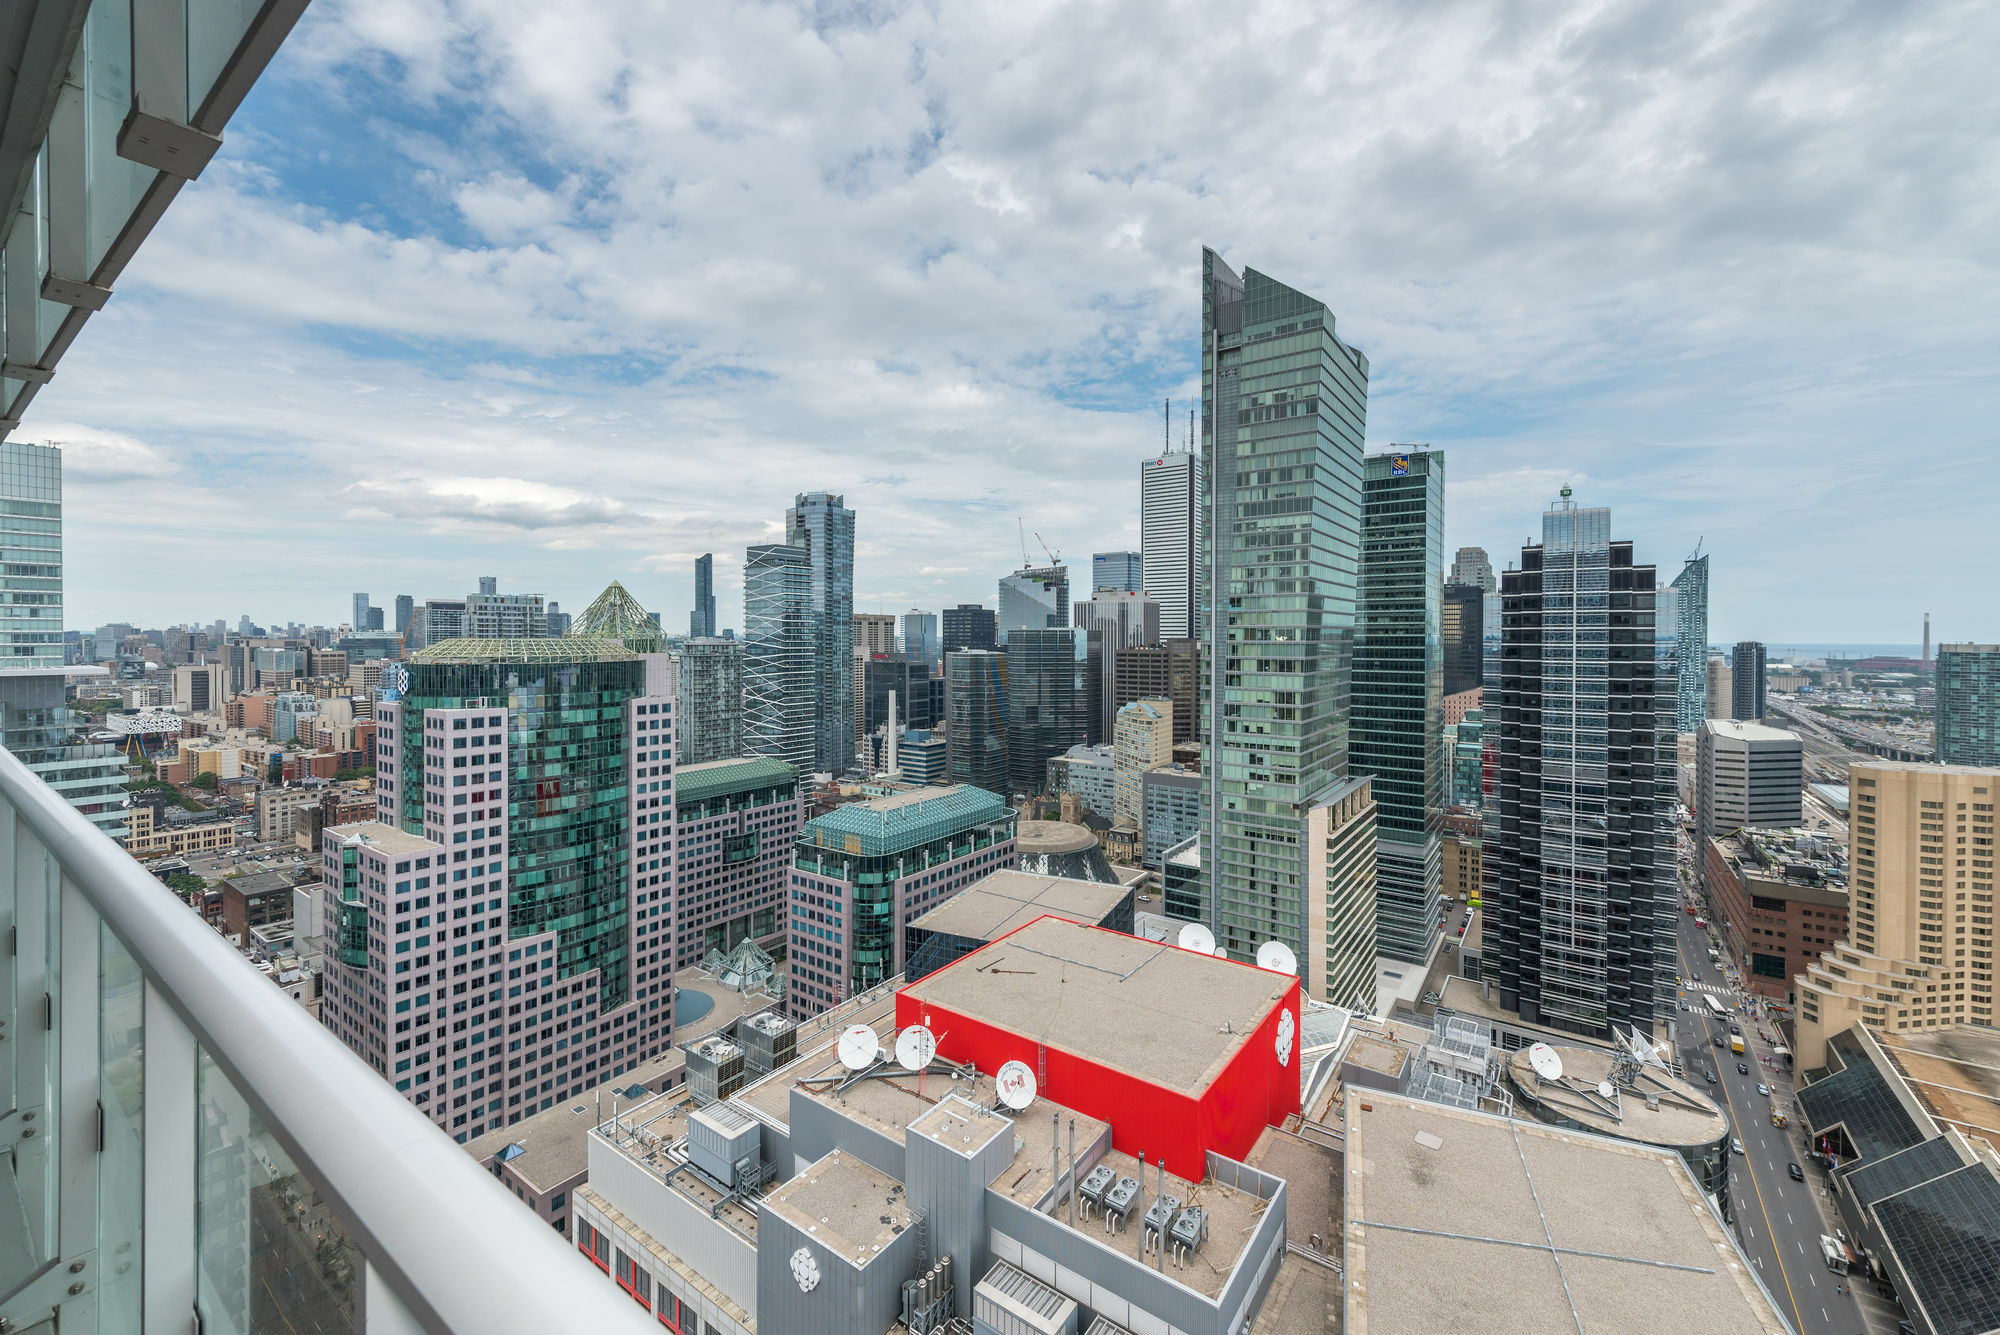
<point x="563" y="293"/>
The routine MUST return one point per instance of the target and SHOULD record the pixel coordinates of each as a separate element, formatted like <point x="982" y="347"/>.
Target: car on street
<point x="1717" y="1040"/>
<point x="1701" y="922"/>
<point x="1736" y="1147"/>
<point x="1708" y="1074"/>
<point x="1764" y="1089"/>
<point x="1798" y="1173"/>
<point x="1743" y="1068"/>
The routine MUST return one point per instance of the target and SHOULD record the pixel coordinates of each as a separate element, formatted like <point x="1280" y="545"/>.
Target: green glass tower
<point x="568" y="841"/>
<point x="1968" y="704"/>
<point x="1284" y="411"/>
<point x="1398" y="694"/>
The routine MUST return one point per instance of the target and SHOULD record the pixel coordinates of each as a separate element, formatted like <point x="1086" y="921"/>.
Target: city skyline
<point x="336" y="270"/>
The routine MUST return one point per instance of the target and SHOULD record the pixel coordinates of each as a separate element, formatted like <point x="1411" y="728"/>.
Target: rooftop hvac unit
<point x="1118" y="1203"/>
<point x="1010" y="1299"/>
<point x="1106" y="1326"/>
<point x="1159" y="1218"/>
<point x="723" y="1144"/>
<point x="1091" y="1190"/>
<point x="714" y="1070"/>
<point x="1190" y="1230"/>
<point x="769" y="1040"/>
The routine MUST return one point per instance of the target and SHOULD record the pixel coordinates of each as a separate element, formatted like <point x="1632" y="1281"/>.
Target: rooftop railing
<point x="189" y="1150"/>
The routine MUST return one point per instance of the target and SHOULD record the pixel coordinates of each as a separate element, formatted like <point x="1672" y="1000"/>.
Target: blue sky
<point x="564" y="294"/>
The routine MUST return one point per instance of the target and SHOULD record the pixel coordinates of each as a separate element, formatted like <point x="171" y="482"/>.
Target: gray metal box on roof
<point x="723" y="1144"/>
<point x="770" y="1041"/>
<point x="714" y="1070"/>
<point x="1010" y="1299"/>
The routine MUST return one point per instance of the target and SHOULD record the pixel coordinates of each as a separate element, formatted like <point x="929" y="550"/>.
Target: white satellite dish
<point x="1197" y="938"/>
<point x="1016" y="1085"/>
<point x="859" y="1047"/>
<point x="1548" y="1063"/>
<point x="1606" y="1090"/>
<point x="1277" y="957"/>
<point x="915" y="1047"/>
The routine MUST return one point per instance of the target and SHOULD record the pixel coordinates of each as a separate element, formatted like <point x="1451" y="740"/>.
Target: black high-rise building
<point x="1579" y="836"/>
<point x="1463" y="634"/>
<point x="1049" y="698"/>
<point x="909" y="679"/>
<point x="701" y="621"/>
<point x="1746" y="680"/>
<point x="970" y="626"/>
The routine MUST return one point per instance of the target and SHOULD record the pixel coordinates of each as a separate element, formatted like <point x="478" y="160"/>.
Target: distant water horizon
<point x="1779" y="650"/>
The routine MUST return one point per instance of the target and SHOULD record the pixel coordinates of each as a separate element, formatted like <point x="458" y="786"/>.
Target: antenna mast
<point x="1166" y="426"/>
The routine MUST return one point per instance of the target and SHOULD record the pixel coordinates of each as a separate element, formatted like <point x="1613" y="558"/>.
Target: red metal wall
<point x="1252" y="1092"/>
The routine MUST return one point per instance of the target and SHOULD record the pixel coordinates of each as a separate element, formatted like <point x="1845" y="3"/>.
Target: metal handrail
<point x="455" y="1246"/>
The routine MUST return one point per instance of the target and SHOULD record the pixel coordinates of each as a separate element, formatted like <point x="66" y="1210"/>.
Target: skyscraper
<point x="1117" y="621"/>
<point x="490" y="615"/>
<point x="35" y="719"/>
<point x="1690" y="589"/>
<point x="1578" y="845"/>
<point x="1284" y="407"/>
<point x="779" y="668"/>
<point x="1471" y="566"/>
<point x="406" y="607"/>
<point x="710" y="690"/>
<point x="1968" y="704"/>
<point x="1721" y="688"/>
<point x="1920" y="955"/>
<point x="549" y="860"/>
<point x="1170" y="541"/>
<point x="1117" y="571"/>
<point x="1745" y="775"/>
<point x="701" y="621"/>
<point x="969" y="626"/>
<point x="975" y="705"/>
<point x="1034" y="598"/>
<point x="1398" y="684"/>
<point x="359" y="618"/>
<point x="1049" y="696"/>
<point x="920" y="638"/>
<point x="1746" y="677"/>
<point x="874" y="633"/>
<point x="1462" y="626"/>
<point x="820" y="524"/>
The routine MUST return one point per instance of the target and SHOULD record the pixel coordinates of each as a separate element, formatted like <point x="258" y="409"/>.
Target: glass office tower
<point x="1690" y="631"/>
<point x="1578" y="845"/>
<point x="1398" y="689"/>
<point x="1050" y="699"/>
<point x="975" y="705"/>
<point x="701" y="621"/>
<point x="822" y="526"/>
<point x="1968" y="704"/>
<point x="779" y="716"/>
<point x="1284" y="410"/>
<point x="568" y="835"/>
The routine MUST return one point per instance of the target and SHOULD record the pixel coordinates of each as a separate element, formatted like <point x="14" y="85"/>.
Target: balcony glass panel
<point x="215" y="28"/>
<point x="271" y="1256"/>
<point x="116" y="184"/>
<point x="121" y="1090"/>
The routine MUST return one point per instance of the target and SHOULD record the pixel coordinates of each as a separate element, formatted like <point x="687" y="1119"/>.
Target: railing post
<point x="170" y="1250"/>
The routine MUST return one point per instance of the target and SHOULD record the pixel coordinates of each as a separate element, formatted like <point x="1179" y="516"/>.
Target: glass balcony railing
<point x="188" y="1150"/>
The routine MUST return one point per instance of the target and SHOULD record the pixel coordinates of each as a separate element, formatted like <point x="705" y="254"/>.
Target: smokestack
<point x="1927" y="639"/>
<point x="1072" y="1172"/>
<point x="894" y="771"/>
<point x="1160" y="1243"/>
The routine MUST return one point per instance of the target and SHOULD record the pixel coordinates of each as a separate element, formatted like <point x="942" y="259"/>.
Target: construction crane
<point x="1055" y="558"/>
<point x="1023" y="526"/>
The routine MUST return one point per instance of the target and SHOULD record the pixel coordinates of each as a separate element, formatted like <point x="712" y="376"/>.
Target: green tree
<point x="186" y="884"/>
<point x="207" y="782"/>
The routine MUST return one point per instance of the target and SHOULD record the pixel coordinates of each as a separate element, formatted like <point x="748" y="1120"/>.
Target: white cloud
<point x="629" y="276"/>
<point x="97" y="456"/>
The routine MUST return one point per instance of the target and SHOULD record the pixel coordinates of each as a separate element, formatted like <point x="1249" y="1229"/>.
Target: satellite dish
<point x="1197" y="938"/>
<point x="1606" y="1090"/>
<point x="858" y="1047"/>
<point x="915" y="1047"/>
<point x="1277" y="957"/>
<point x="1016" y="1084"/>
<point x="1548" y="1063"/>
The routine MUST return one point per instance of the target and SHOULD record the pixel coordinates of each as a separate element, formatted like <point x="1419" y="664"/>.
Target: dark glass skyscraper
<point x="975" y="704"/>
<point x="701" y="621"/>
<point x="1049" y="701"/>
<point x="1284" y="412"/>
<point x="970" y="626"/>
<point x="1398" y="716"/>
<point x="820" y="523"/>
<point x="1463" y="633"/>
<point x="1746" y="680"/>
<point x="1579" y="837"/>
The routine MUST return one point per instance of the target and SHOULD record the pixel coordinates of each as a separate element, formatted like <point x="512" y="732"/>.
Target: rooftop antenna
<point x="1167" y="426"/>
<point x="1196" y="937"/>
<point x="859" y="1047"/>
<point x="1015" y="1084"/>
<point x="1278" y="957"/>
